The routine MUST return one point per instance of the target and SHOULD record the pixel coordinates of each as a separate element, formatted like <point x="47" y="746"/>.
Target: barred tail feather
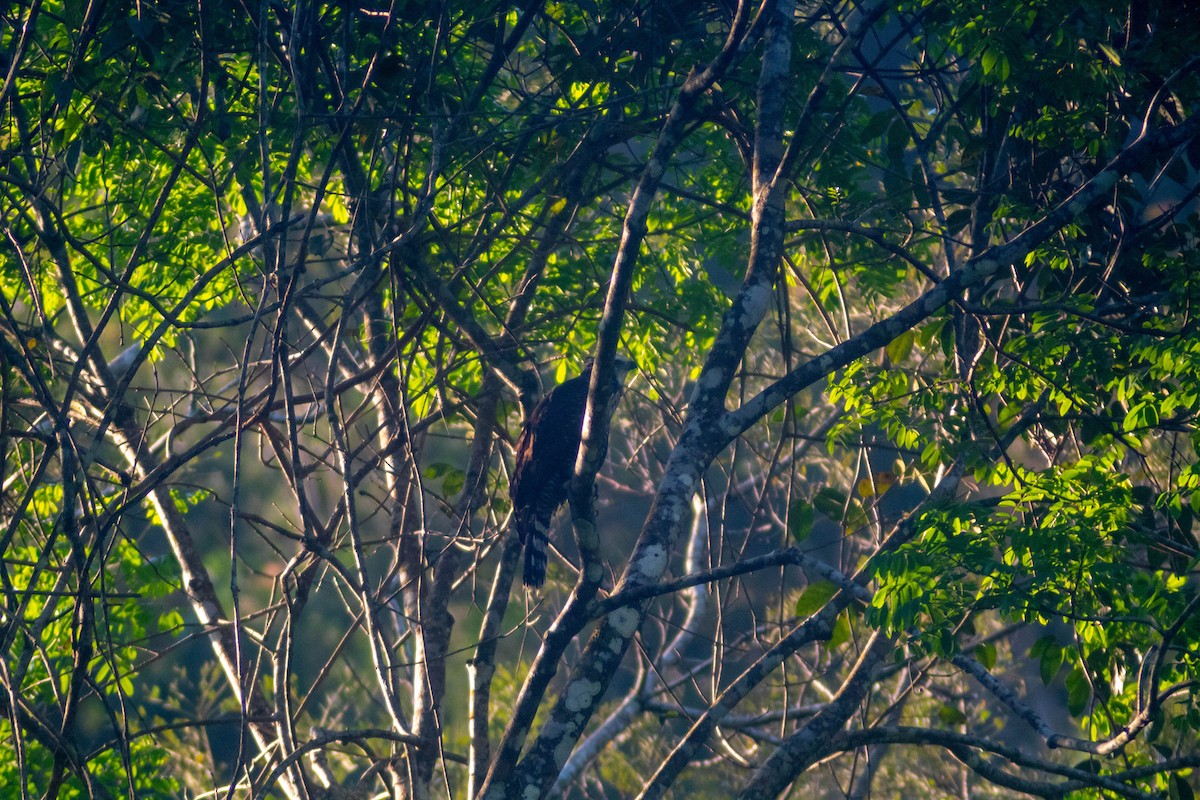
<point x="536" y="542"/>
<point x="533" y="526"/>
<point x="534" y="532"/>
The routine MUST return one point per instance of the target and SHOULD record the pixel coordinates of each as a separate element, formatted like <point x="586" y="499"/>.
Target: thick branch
<point x="974" y="272"/>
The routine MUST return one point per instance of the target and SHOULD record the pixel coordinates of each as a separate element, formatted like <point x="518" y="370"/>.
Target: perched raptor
<point x="545" y="464"/>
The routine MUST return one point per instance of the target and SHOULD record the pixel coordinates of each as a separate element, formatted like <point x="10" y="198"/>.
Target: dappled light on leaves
<point x="900" y="498"/>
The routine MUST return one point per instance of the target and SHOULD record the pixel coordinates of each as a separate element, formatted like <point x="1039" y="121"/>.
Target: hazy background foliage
<point x="900" y="500"/>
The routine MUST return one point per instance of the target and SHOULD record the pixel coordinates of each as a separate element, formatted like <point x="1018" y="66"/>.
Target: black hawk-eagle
<point x="545" y="463"/>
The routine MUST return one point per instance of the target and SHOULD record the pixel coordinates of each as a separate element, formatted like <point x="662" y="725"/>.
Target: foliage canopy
<point x="902" y="498"/>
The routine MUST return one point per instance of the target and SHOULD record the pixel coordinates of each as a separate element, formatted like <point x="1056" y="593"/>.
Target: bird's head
<point x="622" y="366"/>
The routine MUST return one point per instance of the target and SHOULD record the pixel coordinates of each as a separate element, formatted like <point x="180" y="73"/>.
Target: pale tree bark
<point x="379" y="564"/>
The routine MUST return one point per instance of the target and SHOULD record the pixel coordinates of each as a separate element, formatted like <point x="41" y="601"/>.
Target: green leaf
<point x="1141" y="415"/>
<point x="800" y="520"/>
<point x="453" y="478"/>
<point x="454" y="482"/>
<point x="830" y="502"/>
<point x="170" y="621"/>
<point x="1052" y="659"/>
<point x="856" y="516"/>
<point x="1079" y="691"/>
<point x="946" y="645"/>
<point x="986" y="654"/>
<point x="1179" y="788"/>
<point x="988" y="62"/>
<point x="877" y="124"/>
<point x="899" y="348"/>
<point x="437" y="470"/>
<point x="814" y="597"/>
<point x="949" y="715"/>
<point x="1092" y="428"/>
<point x="841" y="631"/>
<point x="958" y="219"/>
